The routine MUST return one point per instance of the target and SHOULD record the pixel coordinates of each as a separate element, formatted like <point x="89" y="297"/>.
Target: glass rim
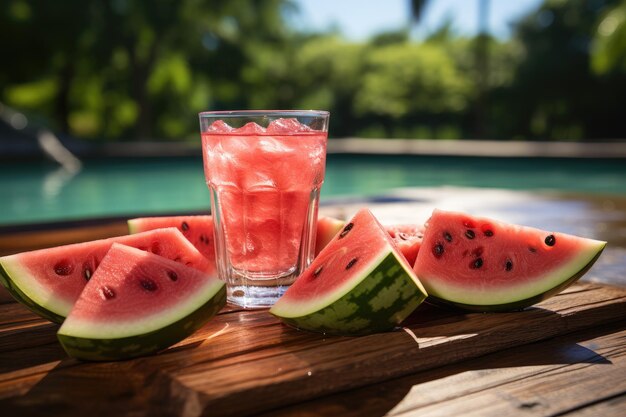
<point x="264" y="113"/>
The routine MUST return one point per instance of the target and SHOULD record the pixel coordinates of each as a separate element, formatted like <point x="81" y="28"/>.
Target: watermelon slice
<point x="138" y="303"/>
<point x="408" y="238"/>
<point x="482" y="264"/>
<point x="360" y="283"/>
<point x="327" y="228"/>
<point x="49" y="281"/>
<point x="197" y="229"/>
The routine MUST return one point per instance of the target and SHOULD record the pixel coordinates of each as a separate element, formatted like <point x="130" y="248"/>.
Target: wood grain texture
<point x="246" y="362"/>
<point x="554" y="389"/>
<point x="297" y="370"/>
<point x="559" y="369"/>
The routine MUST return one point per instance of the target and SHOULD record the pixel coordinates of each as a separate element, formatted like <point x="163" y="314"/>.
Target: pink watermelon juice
<point x="265" y="180"/>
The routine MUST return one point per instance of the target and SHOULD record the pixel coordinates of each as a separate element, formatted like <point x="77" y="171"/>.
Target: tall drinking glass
<point x="264" y="170"/>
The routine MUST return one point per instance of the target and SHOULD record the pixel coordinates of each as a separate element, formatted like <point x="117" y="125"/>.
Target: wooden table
<point x="565" y="356"/>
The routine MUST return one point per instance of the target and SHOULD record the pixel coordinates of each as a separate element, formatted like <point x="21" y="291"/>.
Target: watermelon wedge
<point x="408" y="238"/>
<point x="481" y="264"/>
<point x="327" y="228"/>
<point x="49" y="281"/>
<point x="360" y="283"/>
<point x="138" y="303"/>
<point x="197" y="229"/>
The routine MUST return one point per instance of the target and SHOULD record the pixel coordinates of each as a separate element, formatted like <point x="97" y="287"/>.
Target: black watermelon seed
<point x="317" y="271"/>
<point x="64" y="267"/>
<point x="87" y="273"/>
<point x="488" y="233"/>
<point x="346" y="229"/>
<point x="148" y="284"/>
<point x="204" y="239"/>
<point x="184" y="226"/>
<point x="172" y="275"/>
<point x="508" y="265"/>
<point x="351" y="263"/>
<point x="447" y="236"/>
<point x="403" y="236"/>
<point x="533" y="250"/>
<point x="478" y="262"/>
<point x="438" y="250"/>
<point x="107" y="292"/>
<point x="470" y="234"/>
<point x="550" y="240"/>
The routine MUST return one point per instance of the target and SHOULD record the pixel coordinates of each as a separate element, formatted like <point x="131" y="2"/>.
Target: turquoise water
<point x="39" y="191"/>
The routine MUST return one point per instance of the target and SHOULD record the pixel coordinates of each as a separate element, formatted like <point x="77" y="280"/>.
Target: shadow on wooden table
<point x="72" y="387"/>
<point x="381" y="399"/>
<point x="94" y="389"/>
<point x="246" y="362"/>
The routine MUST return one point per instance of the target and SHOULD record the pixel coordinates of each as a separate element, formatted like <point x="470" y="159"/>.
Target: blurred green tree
<point x="403" y="80"/>
<point x="555" y="93"/>
<point x="609" y="44"/>
<point x="131" y="68"/>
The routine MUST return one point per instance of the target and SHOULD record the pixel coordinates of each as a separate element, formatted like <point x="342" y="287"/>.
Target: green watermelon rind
<point x="516" y="305"/>
<point x="45" y="309"/>
<point x="110" y="349"/>
<point x="379" y="302"/>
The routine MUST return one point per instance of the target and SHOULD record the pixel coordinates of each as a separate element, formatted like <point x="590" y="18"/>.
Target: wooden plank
<point x="615" y="406"/>
<point x="282" y="374"/>
<point x="111" y="388"/>
<point x="20" y="328"/>
<point x="542" y="390"/>
<point x="249" y="354"/>
<point x="567" y="373"/>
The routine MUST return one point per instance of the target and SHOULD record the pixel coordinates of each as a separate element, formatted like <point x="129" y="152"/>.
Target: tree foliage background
<point x="134" y="70"/>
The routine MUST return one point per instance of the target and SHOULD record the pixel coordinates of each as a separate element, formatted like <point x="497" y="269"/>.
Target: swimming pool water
<point x="39" y="191"/>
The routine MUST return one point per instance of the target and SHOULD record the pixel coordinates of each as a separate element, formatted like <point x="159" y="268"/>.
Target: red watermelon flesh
<point x="359" y="284"/>
<point x="138" y="303"/>
<point x="483" y="264"/>
<point x="354" y="246"/>
<point x="49" y="281"/>
<point x="197" y="229"/>
<point x="408" y="238"/>
<point x="327" y="228"/>
<point x="134" y="283"/>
